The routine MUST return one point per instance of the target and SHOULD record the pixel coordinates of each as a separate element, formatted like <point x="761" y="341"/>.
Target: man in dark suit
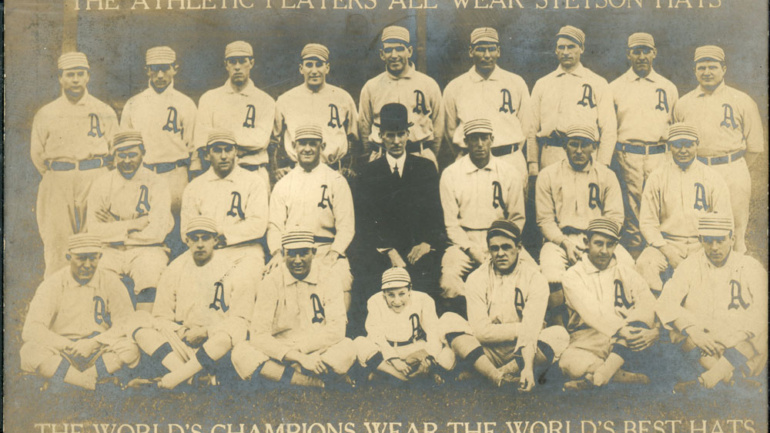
<point x="398" y="211"/>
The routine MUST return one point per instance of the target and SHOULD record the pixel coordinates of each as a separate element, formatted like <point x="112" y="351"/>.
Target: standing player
<point x="166" y="118"/>
<point x="570" y="95"/>
<point x="231" y="196"/>
<point x="299" y="322"/>
<point x="716" y="303"/>
<point x="507" y="297"/>
<point x="75" y="327"/>
<point x="730" y="130"/>
<point x="240" y="107"/>
<point x="129" y="209"/>
<point x="313" y="195"/>
<point x="675" y="196"/>
<point x="488" y="91"/>
<point x="316" y="102"/>
<point x="643" y="102"/>
<point x="401" y="83"/>
<point x="69" y="147"/>
<point x="612" y="314"/>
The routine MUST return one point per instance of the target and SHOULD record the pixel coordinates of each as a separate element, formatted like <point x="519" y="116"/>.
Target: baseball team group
<point x="310" y="241"/>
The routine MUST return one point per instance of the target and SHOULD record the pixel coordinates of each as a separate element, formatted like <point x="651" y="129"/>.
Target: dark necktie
<point x="395" y="172"/>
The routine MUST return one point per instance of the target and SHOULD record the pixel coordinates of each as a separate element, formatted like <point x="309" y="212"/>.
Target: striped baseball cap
<point x="315" y="51"/>
<point x="308" y="132"/>
<point x="604" y="226"/>
<point x="395" y="34"/>
<point x="83" y="243"/>
<point x="220" y="136"/>
<point x="484" y="34"/>
<point x="73" y="60"/>
<point x="641" y="40"/>
<point x="572" y="33"/>
<point x="395" y="278"/>
<point x="681" y="131"/>
<point x="238" y="49"/>
<point x="477" y="126"/>
<point x="126" y="138"/>
<point x="714" y="224"/>
<point x="709" y="52"/>
<point x="505" y="228"/>
<point x="582" y="131"/>
<point x="160" y="56"/>
<point x="202" y="224"/>
<point x="299" y="237"/>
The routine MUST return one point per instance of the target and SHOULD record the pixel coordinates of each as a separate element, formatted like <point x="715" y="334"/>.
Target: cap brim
<point x="298" y="245"/>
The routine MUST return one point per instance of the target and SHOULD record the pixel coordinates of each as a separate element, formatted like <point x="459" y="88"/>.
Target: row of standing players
<point x="479" y="189"/>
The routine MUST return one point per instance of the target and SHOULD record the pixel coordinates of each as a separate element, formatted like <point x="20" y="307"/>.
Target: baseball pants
<point x="33" y="354"/>
<point x="143" y="265"/>
<point x="633" y="171"/>
<point x="652" y="264"/>
<point x="554" y="263"/>
<point x="736" y="175"/>
<point x="366" y="348"/>
<point x="340" y="357"/>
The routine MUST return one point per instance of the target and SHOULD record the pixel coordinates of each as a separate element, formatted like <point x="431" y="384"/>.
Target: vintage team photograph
<point x="393" y="216"/>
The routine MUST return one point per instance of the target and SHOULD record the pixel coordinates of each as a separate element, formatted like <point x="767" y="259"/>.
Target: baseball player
<point x="233" y="197"/>
<point x="202" y="309"/>
<point x="716" y="304"/>
<point x="612" y="314"/>
<point x="507" y="297"/>
<point x="569" y="195"/>
<point x="130" y="210"/>
<point x="69" y="148"/>
<point x="75" y="327"/>
<point x="299" y="320"/>
<point x="499" y="95"/>
<point x="317" y="102"/>
<point x="570" y="95"/>
<point x="675" y="196"/>
<point x="401" y="83"/>
<point x="404" y="339"/>
<point x="240" y="107"/>
<point x="313" y="195"/>
<point x="643" y="103"/>
<point x="476" y="190"/>
<point x="730" y="131"/>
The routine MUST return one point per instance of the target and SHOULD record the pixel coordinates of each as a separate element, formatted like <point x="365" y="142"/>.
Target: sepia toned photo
<point x="385" y="216"/>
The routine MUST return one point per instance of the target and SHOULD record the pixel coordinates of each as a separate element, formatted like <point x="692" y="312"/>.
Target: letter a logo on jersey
<point x="171" y="122"/>
<point x="251" y="116"/>
<point x="700" y="198"/>
<point x="100" y="312"/>
<point x="235" y="206"/>
<point x="497" y="197"/>
<point x="518" y="302"/>
<point x="593" y="196"/>
<point x="729" y="119"/>
<point x="736" y="297"/>
<point x="621" y="301"/>
<point x="417" y="332"/>
<point x="96" y="129"/>
<point x="219" y="298"/>
<point x="507" y="105"/>
<point x="325" y="202"/>
<point x="419" y="103"/>
<point x="318" y="309"/>
<point x="662" y="100"/>
<point x="143" y="204"/>
<point x="334" y="117"/>
<point x="588" y="97"/>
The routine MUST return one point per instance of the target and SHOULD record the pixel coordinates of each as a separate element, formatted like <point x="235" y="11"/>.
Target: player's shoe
<point x="686" y="387"/>
<point x="623" y="376"/>
<point x="509" y="380"/>
<point x="577" y="385"/>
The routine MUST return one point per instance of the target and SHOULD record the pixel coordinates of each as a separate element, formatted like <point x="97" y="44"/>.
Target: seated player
<point x="403" y="334"/>
<point x="298" y="322"/>
<point x="201" y="311"/>
<point x="234" y="197"/>
<point x="130" y="210"/>
<point x="612" y="313"/>
<point x="75" y="328"/>
<point x="504" y="337"/>
<point x="716" y="304"/>
<point x="675" y="195"/>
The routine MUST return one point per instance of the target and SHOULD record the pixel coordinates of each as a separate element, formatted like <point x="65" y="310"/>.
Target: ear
<point x="410" y="50"/>
<point x="382" y="55"/>
<point x="69" y="257"/>
<point x="323" y="145"/>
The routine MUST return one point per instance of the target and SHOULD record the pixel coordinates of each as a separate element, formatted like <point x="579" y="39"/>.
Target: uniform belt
<point x="551" y="141"/>
<point x="725" y="159"/>
<point x="417" y="146"/>
<point x="653" y="148"/>
<point x="401" y="343"/>
<point x="254" y="167"/>
<point x="165" y="167"/>
<point x="322" y="239"/>
<point x="86" y="164"/>
<point x="572" y="231"/>
<point x="505" y="149"/>
<point x="123" y="247"/>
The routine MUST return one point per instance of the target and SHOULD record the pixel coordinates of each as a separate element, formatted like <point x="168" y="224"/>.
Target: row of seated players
<point x="215" y="317"/>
